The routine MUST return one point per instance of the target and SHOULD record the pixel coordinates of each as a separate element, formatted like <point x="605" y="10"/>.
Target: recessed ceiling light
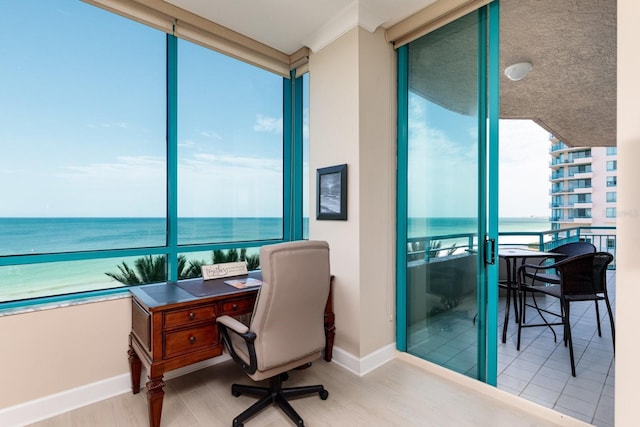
<point x="518" y="71"/>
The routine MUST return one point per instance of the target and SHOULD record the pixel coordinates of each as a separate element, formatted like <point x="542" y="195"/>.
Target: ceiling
<point x="571" y="91"/>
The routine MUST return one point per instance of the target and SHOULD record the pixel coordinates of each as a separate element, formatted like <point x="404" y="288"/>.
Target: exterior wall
<point x="628" y="271"/>
<point x="352" y="120"/>
<point x="50" y="351"/>
<point x="598" y="190"/>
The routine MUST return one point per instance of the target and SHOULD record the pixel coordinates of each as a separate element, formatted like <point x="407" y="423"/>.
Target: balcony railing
<point x="429" y="247"/>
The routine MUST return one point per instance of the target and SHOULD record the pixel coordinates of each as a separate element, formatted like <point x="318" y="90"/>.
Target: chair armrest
<point x="533" y="272"/>
<point x="228" y="323"/>
<point x="233" y="324"/>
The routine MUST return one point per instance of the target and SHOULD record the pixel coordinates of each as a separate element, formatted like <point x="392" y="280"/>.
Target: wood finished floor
<point x="396" y="394"/>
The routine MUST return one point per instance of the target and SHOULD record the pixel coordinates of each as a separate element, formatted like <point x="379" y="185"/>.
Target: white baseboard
<point x="368" y="363"/>
<point x="68" y="400"/>
<point x="65" y="401"/>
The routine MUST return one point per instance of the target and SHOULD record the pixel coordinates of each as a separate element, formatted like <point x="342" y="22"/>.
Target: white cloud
<point x="268" y="124"/>
<point x="524" y="169"/>
<point x="212" y="134"/>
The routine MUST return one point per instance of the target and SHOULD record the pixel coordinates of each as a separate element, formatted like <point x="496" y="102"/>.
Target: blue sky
<point x="82" y="126"/>
<point x="82" y="122"/>
<point x="451" y="156"/>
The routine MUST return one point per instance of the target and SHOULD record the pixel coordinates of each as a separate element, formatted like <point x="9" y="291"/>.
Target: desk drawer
<point x="177" y="318"/>
<point x="239" y="306"/>
<point x="187" y="340"/>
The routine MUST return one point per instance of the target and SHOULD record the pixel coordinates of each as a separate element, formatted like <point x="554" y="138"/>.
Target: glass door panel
<point x="444" y="207"/>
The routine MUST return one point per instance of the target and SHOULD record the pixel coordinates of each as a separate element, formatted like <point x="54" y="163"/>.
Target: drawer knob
<point x="234" y="307"/>
<point x="192" y="315"/>
<point x="192" y="340"/>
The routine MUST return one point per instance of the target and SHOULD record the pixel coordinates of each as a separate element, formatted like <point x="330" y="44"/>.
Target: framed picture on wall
<point x="331" y="193"/>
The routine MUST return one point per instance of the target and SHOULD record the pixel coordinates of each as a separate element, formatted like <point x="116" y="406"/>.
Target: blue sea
<point x="54" y="235"/>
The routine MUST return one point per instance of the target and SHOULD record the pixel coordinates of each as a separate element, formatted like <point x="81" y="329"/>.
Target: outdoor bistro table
<point x="511" y="255"/>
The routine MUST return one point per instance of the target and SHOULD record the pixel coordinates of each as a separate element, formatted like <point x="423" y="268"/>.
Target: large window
<point x="230" y="158"/>
<point x="118" y="171"/>
<point x="612" y="181"/>
<point x="612" y="196"/>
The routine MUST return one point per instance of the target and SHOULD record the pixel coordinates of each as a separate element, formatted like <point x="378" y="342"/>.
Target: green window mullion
<point x="297" y="157"/>
<point x="494" y="119"/>
<point x="401" y="208"/>
<point x="482" y="191"/>
<point x="292" y="158"/>
<point x="172" y="158"/>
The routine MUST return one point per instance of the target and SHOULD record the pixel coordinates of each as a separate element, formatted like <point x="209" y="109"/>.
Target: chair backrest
<point x="584" y="274"/>
<point x="288" y="318"/>
<point x="575" y="248"/>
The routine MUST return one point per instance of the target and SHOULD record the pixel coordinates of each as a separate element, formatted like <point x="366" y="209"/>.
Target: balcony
<point x="581" y="190"/>
<point x="581" y="160"/>
<point x="582" y="175"/>
<point x="583" y="205"/>
<point x="540" y="370"/>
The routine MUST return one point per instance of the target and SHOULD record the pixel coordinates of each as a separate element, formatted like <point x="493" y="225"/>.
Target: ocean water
<point x="53" y="235"/>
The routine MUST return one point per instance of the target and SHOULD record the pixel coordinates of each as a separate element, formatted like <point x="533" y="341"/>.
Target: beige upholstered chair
<point x="287" y="326"/>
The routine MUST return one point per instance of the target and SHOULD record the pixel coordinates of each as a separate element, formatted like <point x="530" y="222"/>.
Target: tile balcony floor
<point x="541" y="370"/>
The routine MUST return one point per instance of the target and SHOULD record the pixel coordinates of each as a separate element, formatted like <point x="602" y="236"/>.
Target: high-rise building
<point x="583" y="185"/>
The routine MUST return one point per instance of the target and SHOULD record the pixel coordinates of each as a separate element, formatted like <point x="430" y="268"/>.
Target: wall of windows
<point x="129" y="150"/>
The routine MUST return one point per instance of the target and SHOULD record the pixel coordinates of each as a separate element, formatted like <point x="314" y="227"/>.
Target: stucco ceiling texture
<point x="571" y="91"/>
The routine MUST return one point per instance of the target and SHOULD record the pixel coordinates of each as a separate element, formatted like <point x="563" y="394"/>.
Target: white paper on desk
<point x="226" y="269"/>
<point x="244" y="283"/>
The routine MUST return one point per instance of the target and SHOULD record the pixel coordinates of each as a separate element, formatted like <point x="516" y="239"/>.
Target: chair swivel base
<point x="274" y="394"/>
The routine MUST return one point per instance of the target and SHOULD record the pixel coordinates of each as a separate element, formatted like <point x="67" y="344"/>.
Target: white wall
<point x="628" y="267"/>
<point x="50" y="351"/>
<point x="352" y="120"/>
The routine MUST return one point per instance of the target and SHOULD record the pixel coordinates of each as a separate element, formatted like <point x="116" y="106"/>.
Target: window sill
<point x="29" y="306"/>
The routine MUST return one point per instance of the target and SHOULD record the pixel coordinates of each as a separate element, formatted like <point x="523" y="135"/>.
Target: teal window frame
<point x="488" y="299"/>
<point x="292" y="195"/>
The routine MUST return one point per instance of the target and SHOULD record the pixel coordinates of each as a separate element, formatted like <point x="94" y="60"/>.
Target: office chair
<point x="582" y="278"/>
<point x="287" y="326"/>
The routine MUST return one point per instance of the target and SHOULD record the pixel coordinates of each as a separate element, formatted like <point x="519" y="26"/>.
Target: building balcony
<point x="582" y="220"/>
<point x="581" y="160"/>
<point x="582" y="175"/>
<point x="582" y="190"/>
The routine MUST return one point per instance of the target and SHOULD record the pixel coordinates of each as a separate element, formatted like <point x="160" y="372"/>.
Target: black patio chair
<point x="581" y="278"/>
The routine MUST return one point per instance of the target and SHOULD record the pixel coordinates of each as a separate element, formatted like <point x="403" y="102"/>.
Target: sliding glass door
<point x="445" y="197"/>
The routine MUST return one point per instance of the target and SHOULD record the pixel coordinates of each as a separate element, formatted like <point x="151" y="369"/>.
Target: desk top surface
<point x="162" y="294"/>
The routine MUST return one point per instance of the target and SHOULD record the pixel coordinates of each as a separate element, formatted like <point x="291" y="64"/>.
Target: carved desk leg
<point x="155" y="396"/>
<point x="135" y="366"/>
<point x="329" y="333"/>
<point x="329" y="324"/>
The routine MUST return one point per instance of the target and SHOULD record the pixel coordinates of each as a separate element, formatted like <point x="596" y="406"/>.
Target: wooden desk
<point x="174" y="325"/>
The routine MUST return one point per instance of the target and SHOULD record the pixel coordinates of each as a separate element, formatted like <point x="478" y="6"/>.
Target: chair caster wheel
<point x="324" y="394"/>
<point x="284" y="376"/>
<point x="235" y="393"/>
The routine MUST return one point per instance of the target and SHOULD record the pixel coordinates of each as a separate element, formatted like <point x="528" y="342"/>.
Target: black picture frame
<point x="331" y="193"/>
